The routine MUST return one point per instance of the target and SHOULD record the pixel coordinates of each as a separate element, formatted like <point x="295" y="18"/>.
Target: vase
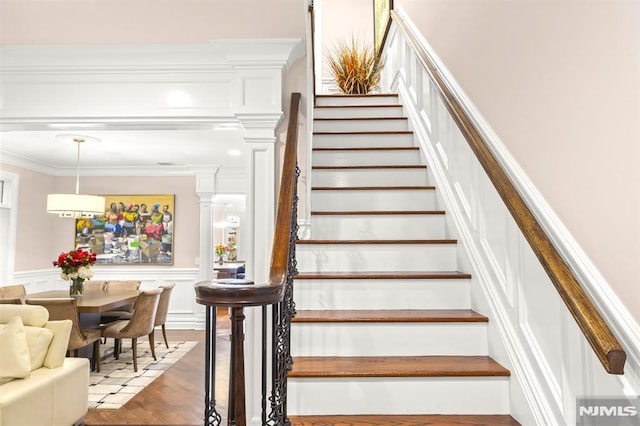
<point x="220" y="260"/>
<point x="77" y="287"/>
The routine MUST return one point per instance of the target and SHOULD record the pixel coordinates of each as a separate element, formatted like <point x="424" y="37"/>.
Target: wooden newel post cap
<point x="237" y="293"/>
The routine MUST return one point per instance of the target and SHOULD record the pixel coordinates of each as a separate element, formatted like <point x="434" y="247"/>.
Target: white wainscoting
<point x="531" y="331"/>
<point x="184" y="312"/>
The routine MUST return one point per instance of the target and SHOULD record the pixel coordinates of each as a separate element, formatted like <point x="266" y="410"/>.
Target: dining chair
<point x="12" y="291"/>
<point x="67" y="308"/>
<point x="95" y="285"/>
<point x="141" y="324"/>
<point x="123" y="312"/>
<point x="163" y="309"/>
<point x="10" y="301"/>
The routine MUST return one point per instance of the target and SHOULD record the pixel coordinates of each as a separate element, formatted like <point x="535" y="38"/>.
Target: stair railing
<point x="277" y="293"/>
<point x="596" y="331"/>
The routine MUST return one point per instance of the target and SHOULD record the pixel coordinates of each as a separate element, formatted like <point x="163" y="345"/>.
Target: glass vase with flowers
<point x="75" y="266"/>
<point x="221" y="250"/>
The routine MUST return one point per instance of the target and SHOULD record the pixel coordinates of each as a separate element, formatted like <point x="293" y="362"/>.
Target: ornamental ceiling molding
<point x="220" y="55"/>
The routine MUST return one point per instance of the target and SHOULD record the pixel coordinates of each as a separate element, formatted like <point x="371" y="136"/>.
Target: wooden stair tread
<point x="370" y="148"/>
<point x="368" y="132"/>
<point x="358" y="118"/>
<point x="383" y="275"/>
<point x="445" y="241"/>
<point x="358" y="106"/>
<point x="368" y="95"/>
<point x="389" y="166"/>
<point x="374" y="188"/>
<point x="405" y="420"/>
<point x="383" y="315"/>
<point x="396" y="366"/>
<point x="379" y="212"/>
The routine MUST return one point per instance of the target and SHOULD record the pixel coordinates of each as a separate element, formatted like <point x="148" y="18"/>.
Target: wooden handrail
<point x="312" y="17"/>
<point x="280" y="249"/>
<point x="241" y="293"/>
<point x="604" y="343"/>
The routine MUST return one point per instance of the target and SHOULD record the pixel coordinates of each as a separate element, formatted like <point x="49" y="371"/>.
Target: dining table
<point x="93" y="302"/>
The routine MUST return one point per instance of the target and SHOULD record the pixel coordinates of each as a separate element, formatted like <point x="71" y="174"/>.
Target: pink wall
<point x="342" y="20"/>
<point x="37" y="240"/>
<point x="146" y="21"/>
<point x="42" y="236"/>
<point x="559" y="83"/>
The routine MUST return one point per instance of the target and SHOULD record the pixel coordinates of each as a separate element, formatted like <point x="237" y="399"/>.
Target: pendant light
<point x="76" y="205"/>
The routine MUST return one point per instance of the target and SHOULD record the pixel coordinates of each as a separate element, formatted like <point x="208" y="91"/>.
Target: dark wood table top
<point x="92" y="301"/>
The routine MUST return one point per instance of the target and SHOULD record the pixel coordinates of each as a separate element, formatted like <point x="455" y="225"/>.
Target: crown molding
<point x="219" y="55"/>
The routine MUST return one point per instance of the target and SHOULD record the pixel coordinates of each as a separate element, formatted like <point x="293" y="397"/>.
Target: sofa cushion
<point x="58" y="347"/>
<point x="32" y="315"/>
<point x="15" y="362"/>
<point x="38" y="340"/>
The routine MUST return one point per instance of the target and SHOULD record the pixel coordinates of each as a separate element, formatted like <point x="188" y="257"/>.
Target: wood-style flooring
<point x="177" y="396"/>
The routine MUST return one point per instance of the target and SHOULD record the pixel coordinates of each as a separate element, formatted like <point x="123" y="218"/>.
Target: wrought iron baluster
<point x="281" y="326"/>
<point x="211" y="415"/>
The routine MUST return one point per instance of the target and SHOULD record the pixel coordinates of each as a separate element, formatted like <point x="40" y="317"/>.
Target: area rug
<point x="116" y="383"/>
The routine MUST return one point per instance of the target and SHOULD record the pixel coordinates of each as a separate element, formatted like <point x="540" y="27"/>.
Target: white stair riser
<point x="478" y="395"/>
<point x="372" y="200"/>
<point x="367" y="158"/>
<point x="382" y="294"/>
<point x="388" y="339"/>
<point x="330" y="125"/>
<point x="368" y="111"/>
<point x="371" y="227"/>
<point x="376" y="257"/>
<point x="362" y="140"/>
<point x="369" y="177"/>
<point x="356" y="100"/>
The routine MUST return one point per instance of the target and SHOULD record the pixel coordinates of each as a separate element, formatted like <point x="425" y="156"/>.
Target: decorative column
<point x="260" y="217"/>
<point x="205" y="188"/>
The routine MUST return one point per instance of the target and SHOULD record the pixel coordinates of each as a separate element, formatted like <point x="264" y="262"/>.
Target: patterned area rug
<point x="116" y="383"/>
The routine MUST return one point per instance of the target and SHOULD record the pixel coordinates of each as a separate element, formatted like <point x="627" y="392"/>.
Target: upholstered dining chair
<point x="140" y="324"/>
<point x="10" y="301"/>
<point x="163" y="309"/>
<point x="12" y="291"/>
<point x="123" y="312"/>
<point x="95" y="285"/>
<point x="66" y="308"/>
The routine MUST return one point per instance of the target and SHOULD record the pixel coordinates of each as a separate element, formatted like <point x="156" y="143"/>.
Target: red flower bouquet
<point x="75" y="264"/>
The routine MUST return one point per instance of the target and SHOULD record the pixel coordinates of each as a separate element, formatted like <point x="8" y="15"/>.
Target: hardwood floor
<point x="177" y="396"/>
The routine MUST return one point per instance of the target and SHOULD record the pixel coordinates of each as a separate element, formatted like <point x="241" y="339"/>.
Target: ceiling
<point x="118" y="151"/>
<point x="130" y="152"/>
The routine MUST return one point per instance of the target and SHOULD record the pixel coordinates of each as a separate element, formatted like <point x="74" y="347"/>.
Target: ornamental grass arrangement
<point x="355" y="67"/>
<point x="75" y="264"/>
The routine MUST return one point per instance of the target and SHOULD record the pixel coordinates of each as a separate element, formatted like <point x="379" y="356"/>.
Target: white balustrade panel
<point x="532" y="333"/>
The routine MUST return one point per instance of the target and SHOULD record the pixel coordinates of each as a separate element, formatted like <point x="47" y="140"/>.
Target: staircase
<point x="384" y="333"/>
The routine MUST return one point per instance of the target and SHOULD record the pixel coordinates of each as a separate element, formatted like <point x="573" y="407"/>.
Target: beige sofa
<point x="38" y="384"/>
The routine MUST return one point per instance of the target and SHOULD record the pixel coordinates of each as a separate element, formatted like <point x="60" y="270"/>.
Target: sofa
<point x="39" y="385"/>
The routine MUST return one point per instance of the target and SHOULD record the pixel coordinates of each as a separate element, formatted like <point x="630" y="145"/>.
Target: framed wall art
<point x="134" y="229"/>
<point x="381" y="21"/>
